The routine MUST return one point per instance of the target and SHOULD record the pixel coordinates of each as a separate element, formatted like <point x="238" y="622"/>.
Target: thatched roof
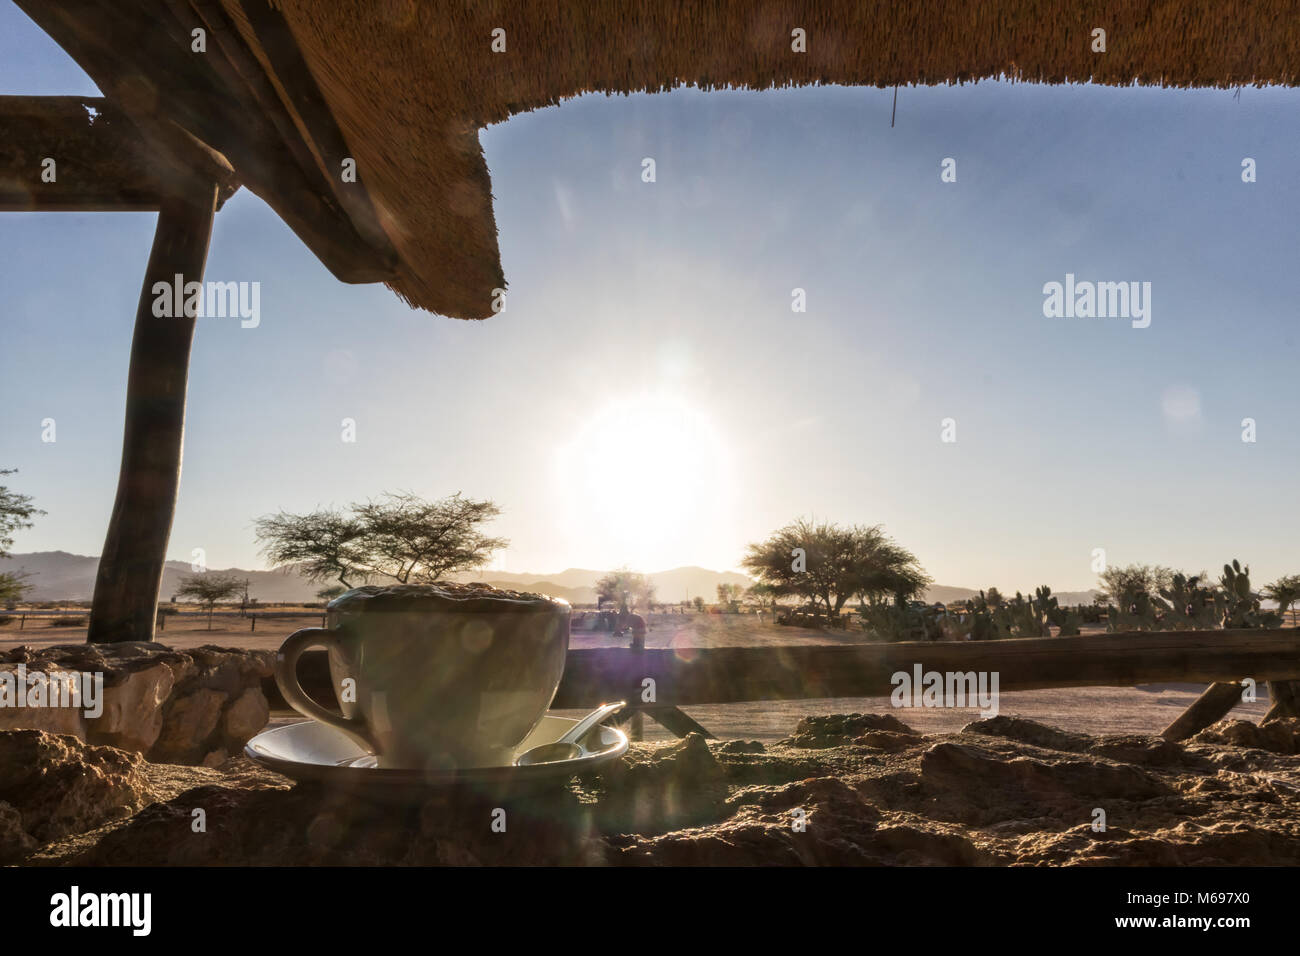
<point x="287" y="91"/>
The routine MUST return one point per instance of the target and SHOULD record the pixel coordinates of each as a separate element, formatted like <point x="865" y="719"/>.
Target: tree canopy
<point x="1285" y="591"/>
<point x="627" y="589"/>
<point x="210" y="587"/>
<point x="398" y="536"/>
<point x="16" y="513"/>
<point x="1127" y="582"/>
<point x="826" y="564"/>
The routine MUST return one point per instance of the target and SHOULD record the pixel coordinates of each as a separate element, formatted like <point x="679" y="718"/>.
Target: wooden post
<point x="1213" y="705"/>
<point x="676" y="721"/>
<point x="1285" y="695"/>
<point x="135" y="547"/>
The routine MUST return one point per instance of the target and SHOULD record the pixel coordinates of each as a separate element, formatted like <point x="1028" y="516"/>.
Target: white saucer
<point x="312" y="751"/>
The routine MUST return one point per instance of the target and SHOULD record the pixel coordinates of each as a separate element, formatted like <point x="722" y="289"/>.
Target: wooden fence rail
<point x="688" y="676"/>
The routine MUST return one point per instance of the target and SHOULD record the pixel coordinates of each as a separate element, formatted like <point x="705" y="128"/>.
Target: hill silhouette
<point x="60" y="576"/>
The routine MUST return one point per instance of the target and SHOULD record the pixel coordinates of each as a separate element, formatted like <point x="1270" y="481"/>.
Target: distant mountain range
<point x="60" y="576"/>
<point x="941" y="592"/>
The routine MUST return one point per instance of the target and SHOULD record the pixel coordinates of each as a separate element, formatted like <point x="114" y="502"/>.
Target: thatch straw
<point x="410" y="83"/>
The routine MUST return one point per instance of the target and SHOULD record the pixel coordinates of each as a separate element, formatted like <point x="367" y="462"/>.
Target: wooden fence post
<point x="1285" y="695"/>
<point x="1212" y="706"/>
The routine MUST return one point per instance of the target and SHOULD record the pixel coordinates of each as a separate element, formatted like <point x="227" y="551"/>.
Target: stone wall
<point x="187" y="707"/>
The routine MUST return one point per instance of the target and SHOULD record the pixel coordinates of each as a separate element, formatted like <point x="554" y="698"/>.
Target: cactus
<point x="1135" y="612"/>
<point x="1188" y="606"/>
<point x="1027" y="616"/>
<point x="1050" y="614"/>
<point x="1067" y="623"/>
<point x="1237" y="605"/>
<point x="902" y="621"/>
<point x="988" y="621"/>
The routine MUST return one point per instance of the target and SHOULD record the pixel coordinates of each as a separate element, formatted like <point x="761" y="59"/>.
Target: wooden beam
<point x="727" y="674"/>
<point x="168" y="91"/>
<point x="283" y="61"/>
<point x="135" y="547"/>
<point x="688" y="676"/>
<point x="100" y="162"/>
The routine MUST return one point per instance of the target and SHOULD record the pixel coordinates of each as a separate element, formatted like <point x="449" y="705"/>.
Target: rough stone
<point x="835" y="730"/>
<point x="188" y="722"/>
<point x="741" y="747"/>
<point x="971" y="798"/>
<point x="246" y="715"/>
<point x="950" y="765"/>
<point x="46" y="678"/>
<point x="887" y="740"/>
<point x="15" y="842"/>
<point x="1277" y="736"/>
<point x="157" y="700"/>
<point x="133" y="709"/>
<point x="662" y="788"/>
<point x="1029" y="732"/>
<point x="58" y="785"/>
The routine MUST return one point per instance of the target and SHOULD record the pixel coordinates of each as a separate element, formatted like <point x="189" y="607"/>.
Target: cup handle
<point x="286" y="678"/>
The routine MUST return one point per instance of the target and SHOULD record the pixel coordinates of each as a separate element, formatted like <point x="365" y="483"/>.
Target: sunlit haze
<point x="649" y="397"/>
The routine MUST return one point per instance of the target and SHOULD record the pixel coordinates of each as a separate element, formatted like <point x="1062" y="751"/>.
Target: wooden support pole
<point x="635" y="725"/>
<point x="131" y="564"/>
<point x="1212" y="706"/>
<point x="1286" y="699"/>
<point x="676" y="721"/>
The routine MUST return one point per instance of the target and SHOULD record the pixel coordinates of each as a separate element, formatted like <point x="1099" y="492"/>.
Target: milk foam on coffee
<point x="446" y="596"/>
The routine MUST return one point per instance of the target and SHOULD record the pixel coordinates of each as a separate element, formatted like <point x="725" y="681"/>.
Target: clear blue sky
<point x="658" y="316"/>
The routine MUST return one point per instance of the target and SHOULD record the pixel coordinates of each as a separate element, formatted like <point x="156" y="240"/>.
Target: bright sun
<point x="642" y="476"/>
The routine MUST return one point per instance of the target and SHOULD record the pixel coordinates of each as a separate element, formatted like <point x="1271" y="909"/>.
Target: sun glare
<point x="642" y="474"/>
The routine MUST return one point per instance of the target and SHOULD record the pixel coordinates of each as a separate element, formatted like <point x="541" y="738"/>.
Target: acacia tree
<point x="880" y="567"/>
<point x="762" y="596"/>
<point x="330" y="593"/>
<point x="16" y="513"/>
<point x="825" y="564"/>
<point x="209" y="587"/>
<point x="1129" y="582"/>
<point x="409" y="539"/>
<point x="729" y="594"/>
<point x="321" y="545"/>
<point x="399" y="536"/>
<point x="628" y="589"/>
<point x="1286" y="592"/>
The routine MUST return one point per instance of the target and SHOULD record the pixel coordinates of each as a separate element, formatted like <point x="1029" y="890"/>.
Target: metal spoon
<point x="567" y="748"/>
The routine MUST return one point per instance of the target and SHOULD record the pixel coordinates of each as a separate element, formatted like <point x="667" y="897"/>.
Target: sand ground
<point x="1094" y="710"/>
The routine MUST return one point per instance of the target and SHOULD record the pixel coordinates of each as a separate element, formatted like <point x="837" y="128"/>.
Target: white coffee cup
<point x="435" y="676"/>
